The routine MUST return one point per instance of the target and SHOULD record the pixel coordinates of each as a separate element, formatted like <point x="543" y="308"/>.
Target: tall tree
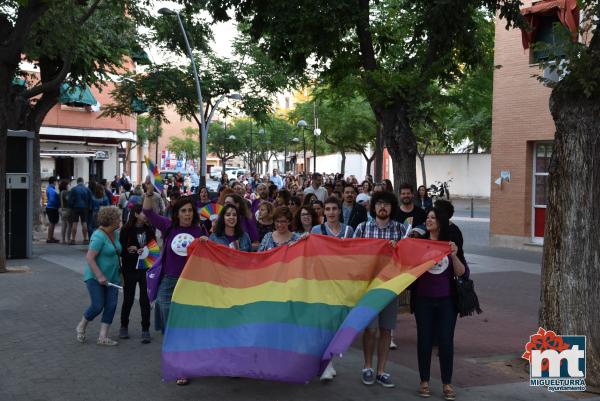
<point x="570" y="289"/>
<point x="186" y="147"/>
<point x="394" y="49"/>
<point x="149" y="130"/>
<point x="225" y="141"/>
<point x="89" y="44"/>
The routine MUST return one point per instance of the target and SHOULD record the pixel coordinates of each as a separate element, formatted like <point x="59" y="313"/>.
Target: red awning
<point x="566" y="10"/>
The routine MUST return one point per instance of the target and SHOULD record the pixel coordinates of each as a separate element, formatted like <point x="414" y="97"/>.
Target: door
<point x="542" y="153"/>
<point x="64" y="167"/>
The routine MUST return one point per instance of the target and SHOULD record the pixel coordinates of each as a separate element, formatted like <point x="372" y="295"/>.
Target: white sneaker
<point x="329" y="372"/>
<point x="393" y="344"/>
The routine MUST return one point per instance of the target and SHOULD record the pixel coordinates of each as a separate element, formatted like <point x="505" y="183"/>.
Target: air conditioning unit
<point x="553" y="74"/>
<point x="101" y="155"/>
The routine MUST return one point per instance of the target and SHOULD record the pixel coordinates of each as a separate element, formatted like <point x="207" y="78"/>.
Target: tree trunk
<point x="570" y="288"/>
<point x="368" y="159"/>
<point x="36" y="182"/>
<point x="476" y="139"/>
<point x="378" y="151"/>
<point x="343" y="166"/>
<point x="400" y="142"/>
<point x="423" y="173"/>
<point x="5" y="79"/>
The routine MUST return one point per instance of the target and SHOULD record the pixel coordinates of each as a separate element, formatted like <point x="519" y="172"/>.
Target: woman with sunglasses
<point x="294" y="203"/>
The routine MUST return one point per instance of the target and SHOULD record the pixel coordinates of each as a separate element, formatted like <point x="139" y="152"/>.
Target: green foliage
<point x="148" y="129"/>
<point x="392" y="52"/>
<point x="346" y="120"/>
<point x="187" y="147"/>
<point x="250" y="73"/>
<point x="461" y="112"/>
<point x="94" y="41"/>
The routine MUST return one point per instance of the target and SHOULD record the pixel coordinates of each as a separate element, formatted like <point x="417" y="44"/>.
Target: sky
<point x="223" y="33"/>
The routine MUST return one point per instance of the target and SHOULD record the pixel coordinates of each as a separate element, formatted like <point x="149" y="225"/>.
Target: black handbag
<point x="466" y="298"/>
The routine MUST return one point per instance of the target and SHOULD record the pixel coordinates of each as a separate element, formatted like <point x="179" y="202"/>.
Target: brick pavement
<point x="42" y="361"/>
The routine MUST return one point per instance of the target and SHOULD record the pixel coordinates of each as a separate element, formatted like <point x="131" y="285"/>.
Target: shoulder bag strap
<point x="114" y="247"/>
<point x="323" y="229"/>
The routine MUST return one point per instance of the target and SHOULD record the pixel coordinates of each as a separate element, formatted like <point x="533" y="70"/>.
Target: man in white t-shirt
<point x="316" y="188"/>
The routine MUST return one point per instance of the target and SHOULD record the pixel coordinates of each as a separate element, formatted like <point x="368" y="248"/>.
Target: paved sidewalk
<point x="41" y="359"/>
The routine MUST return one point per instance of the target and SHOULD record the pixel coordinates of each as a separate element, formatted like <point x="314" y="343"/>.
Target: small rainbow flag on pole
<point x="154" y="174"/>
<point x="282" y="314"/>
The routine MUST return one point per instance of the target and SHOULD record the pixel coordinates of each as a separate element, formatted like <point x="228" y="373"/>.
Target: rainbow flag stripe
<point x="282" y="314"/>
<point x="155" y="176"/>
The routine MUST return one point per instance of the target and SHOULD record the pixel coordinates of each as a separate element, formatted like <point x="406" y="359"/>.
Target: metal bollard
<point x="471" y="207"/>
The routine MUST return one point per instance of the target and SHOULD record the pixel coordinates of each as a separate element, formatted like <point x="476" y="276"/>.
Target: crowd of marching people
<point x="253" y="214"/>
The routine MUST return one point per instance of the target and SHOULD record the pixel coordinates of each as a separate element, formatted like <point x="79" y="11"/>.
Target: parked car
<point x="236" y="172"/>
<point x="168" y="174"/>
<point x="216" y="172"/>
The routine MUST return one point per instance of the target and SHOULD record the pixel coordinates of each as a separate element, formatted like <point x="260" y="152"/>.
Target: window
<point x="545" y="34"/>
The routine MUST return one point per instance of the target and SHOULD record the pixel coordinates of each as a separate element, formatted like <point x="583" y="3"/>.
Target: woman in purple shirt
<point x="435" y="307"/>
<point x="177" y="233"/>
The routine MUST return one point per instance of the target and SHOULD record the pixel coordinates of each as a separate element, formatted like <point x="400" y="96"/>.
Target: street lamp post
<point x="203" y="126"/>
<point x="295" y="140"/>
<point x="316" y="132"/>
<point x="203" y="122"/>
<point x="250" y="158"/>
<point x="302" y="124"/>
<point x="285" y="153"/>
<point x="261" y="132"/>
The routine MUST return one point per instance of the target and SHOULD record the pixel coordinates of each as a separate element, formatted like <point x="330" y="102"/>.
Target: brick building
<point x="522" y="131"/>
<point x="76" y="142"/>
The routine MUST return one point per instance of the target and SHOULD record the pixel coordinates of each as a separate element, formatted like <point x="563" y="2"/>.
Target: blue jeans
<point x="163" y="300"/>
<point x="104" y="299"/>
<point x="436" y="319"/>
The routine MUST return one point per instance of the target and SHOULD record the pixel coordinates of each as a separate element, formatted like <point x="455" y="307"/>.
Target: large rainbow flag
<point x="282" y="314"/>
<point x="154" y="174"/>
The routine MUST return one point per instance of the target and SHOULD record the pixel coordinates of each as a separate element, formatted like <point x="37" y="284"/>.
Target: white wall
<point x="355" y="164"/>
<point x="470" y="173"/>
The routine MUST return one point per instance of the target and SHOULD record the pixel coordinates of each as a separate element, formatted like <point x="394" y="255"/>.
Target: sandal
<point x="106" y="341"/>
<point x="449" y="393"/>
<point x="424" y="390"/>
<point x="80" y="334"/>
<point x="182" y="382"/>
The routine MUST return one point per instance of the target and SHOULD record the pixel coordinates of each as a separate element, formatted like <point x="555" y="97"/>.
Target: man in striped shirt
<point x="383" y="208"/>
